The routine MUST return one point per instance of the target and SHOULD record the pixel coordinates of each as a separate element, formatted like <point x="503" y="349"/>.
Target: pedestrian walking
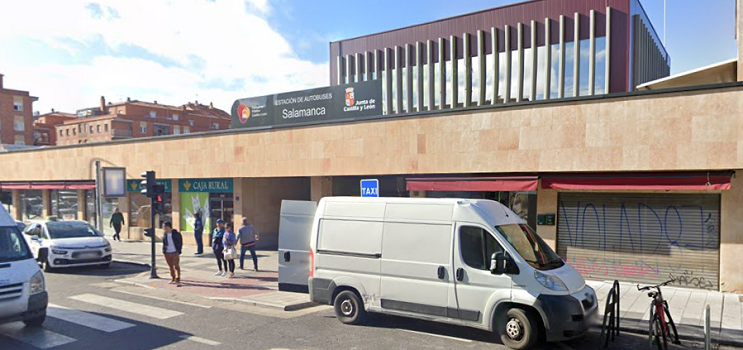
<point x="218" y="248"/>
<point x="246" y="237"/>
<point x="229" y="241"/>
<point x="172" y="244"/>
<point x="117" y="220"/>
<point x="198" y="233"/>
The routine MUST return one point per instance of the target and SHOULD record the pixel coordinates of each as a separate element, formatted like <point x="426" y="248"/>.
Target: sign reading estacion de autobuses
<point x="362" y="99"/>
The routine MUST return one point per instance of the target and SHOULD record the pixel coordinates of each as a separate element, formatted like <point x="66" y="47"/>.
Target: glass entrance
<point x="221" y="206"/>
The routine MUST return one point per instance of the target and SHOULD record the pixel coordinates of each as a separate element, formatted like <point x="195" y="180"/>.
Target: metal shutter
<point x="642" y="238"/>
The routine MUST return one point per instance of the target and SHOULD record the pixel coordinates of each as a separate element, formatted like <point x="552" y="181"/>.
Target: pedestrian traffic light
<point x="146" y="186"/>
<point x="157" y="204"/>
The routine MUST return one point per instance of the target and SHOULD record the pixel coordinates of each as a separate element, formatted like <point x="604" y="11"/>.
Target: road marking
<point x="200" y="340"/>
<point x="141" y="309"/>
<point x="162" y="299"/>
<point x="34" y="336"/>
<point x="86" y="319"/>
<point x="436" y="335"/>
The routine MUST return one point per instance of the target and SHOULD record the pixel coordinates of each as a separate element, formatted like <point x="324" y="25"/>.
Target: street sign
<point x="370" y="188"/>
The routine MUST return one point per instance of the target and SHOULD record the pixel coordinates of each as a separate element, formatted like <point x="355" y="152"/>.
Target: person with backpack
<point x="246" y="236"/>
<point x="172" y="245"/>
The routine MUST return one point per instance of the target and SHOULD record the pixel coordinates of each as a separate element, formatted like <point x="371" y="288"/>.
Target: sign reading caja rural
<point x="135" y="185"/>
<point x="362" y="99"/>
<point x="205" y="185"/>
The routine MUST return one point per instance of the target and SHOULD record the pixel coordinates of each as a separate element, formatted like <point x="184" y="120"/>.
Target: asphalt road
<point x="90" y="311"/>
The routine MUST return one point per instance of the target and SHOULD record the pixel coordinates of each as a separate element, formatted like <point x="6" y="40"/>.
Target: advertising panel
<point x="194" y="202"/>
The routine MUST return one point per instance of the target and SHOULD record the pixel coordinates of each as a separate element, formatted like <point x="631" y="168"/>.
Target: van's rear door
<point x="295" y="228"/>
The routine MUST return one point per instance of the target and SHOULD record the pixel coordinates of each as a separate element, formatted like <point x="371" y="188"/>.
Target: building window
<point x="186" y="130"/>
<point x="19" y="124"/>
<point x="153" y="114"/>
<point x="175" y="116"/>
<point x="190" y="122"/>
<point x="215" y="126"/>
<point x="20" y="140"/>
<point x="90" y="129"/>
<point x="18" y="104"/>
<point x="67" y="132"/>
<point x="60" y="133"/>
<point x="105" y="127"/>
<point x="74" y="132"/>
<point x="143" y="127"/>
<point x="176" y="130"/>
<point x="161" y="130"/>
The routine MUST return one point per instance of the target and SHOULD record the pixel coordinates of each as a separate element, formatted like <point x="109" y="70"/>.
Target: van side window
<point x="477" y="246"/>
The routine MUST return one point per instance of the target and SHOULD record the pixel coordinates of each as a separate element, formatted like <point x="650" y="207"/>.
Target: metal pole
<point x="98" y="205"/>
<point x="707" y="343"/>
<point x="153" y="268"/>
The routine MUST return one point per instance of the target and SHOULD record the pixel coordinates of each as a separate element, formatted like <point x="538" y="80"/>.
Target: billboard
<point x="362" y="99"/>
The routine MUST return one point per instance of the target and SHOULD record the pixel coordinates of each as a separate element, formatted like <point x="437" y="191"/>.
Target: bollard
<point x="707" y="330"/>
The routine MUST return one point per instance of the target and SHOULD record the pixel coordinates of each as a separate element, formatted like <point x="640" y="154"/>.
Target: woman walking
<point x="117" y="220"/>
<point x="218" y="248"/>
<point x="229" y="241"/>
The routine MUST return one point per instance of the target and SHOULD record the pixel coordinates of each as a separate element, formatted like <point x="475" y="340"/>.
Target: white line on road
<point x="162" y="299"/>
<point x="141" y="309"/>
<point x="34" y="336"/>
<point x="200" y="340"/>
<point x="86" y="319"/>
<point x="436" y="335"/>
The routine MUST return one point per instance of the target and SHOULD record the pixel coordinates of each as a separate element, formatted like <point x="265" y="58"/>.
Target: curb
<point x="714" y="339"/>
<point x="290" y="307"/>
<point x="130" y="262"/>
<point x="132" y="283"/>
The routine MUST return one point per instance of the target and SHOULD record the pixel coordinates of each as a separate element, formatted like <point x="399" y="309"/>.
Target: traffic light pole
<point x="153" y="268"/>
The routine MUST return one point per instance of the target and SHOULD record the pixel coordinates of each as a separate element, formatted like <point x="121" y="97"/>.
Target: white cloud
<point x="219" y="50"/>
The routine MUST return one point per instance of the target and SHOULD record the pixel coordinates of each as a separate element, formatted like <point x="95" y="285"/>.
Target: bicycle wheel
<point x="658" y="336"/>
<point x="675" y="336"/>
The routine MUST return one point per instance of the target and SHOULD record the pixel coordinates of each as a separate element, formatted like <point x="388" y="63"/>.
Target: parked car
<point x="23" y="295"/>
<point x="70" y="243"/>
<point x="458" y="261"/>
<point x="21" y="225"/>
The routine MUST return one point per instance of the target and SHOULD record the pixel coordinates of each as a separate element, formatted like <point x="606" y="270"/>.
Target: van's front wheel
<point x="348" y="308"/>
<point x="519" y="331"/>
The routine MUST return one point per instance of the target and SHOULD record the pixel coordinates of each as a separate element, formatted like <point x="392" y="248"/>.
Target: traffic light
<point x="147" y="185"/>
<point x="157" y="204"/>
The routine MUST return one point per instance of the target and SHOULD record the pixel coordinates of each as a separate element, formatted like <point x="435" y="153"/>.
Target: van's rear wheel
<point x="348" y="308"/>
<point x="519" y="330"/>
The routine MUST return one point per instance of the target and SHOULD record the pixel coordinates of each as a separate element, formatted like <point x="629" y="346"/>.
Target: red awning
<point x="473" y="184"/>
<point x="68" y="185"/>
<point x="696" y="181"/>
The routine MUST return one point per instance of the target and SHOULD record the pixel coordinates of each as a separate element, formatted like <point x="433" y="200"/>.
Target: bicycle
<point x="659" y="325"/>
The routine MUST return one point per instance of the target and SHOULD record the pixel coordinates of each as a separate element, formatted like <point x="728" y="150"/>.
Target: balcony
<point x="121" y="134"/>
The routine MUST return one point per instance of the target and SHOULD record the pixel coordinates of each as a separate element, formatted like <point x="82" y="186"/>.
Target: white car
<point x="70" y="244"/>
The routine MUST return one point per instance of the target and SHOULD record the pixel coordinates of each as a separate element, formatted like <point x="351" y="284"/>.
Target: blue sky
<point x="219" y="50"/>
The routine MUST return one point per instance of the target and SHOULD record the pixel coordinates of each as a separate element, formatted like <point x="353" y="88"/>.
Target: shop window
<point x="90" y="213"/>
<point x="31" y="204"/>
<point x="64" y="204"/>
<point x="18" y="104"/>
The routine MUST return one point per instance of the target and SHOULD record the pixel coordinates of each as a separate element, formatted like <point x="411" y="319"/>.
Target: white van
<point x="459" y="261"/>
<point x="23" y="294"/>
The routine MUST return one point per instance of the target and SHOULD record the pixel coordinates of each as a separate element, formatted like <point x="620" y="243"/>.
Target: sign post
<point x="370" y="188"/>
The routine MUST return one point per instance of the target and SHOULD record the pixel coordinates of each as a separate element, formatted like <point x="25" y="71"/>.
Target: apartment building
<point x="16" y="116"/>
<point x="44" y="127"/>
<point x="134" y="119"/>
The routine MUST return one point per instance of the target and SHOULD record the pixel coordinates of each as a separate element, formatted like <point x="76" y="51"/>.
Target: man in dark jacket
<point x="198" y="233"/>
<point x="172" y="244"/>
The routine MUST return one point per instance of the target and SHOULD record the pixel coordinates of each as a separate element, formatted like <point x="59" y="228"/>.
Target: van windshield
<point x="12" y="245"/>
<point x="530" y="246"/>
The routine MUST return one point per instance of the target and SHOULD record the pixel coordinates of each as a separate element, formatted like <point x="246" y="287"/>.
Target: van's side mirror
<point x="501" y="263"/>
<point x="43" y="255"/>
<point x="35" y="238"/>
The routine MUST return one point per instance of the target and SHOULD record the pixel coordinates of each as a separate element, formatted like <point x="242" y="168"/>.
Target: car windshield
<point x="12" y="245"/>
<point x="62" y="229"/>
<point x="530" y="246"/>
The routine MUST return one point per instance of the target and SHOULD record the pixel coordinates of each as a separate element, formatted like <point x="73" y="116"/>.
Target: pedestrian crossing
<point x="56" y="331"/>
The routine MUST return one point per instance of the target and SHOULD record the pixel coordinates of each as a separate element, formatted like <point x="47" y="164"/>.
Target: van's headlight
<point x="550" y="282"/>
<point x="37" y="283"/>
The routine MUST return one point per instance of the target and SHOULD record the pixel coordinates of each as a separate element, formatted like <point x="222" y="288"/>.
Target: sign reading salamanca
<point x="362" y="99"/>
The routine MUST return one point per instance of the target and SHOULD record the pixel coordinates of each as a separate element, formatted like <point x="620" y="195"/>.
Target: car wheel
<point x="48" y="267"/>
<point x="36" y="321"/>
<point x="519" y="331"/>
<point x="348" y="308"/>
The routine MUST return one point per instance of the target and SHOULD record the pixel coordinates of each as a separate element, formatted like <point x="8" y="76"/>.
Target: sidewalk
<point x="687" y="309"/>
<point x="197" y="271"/>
